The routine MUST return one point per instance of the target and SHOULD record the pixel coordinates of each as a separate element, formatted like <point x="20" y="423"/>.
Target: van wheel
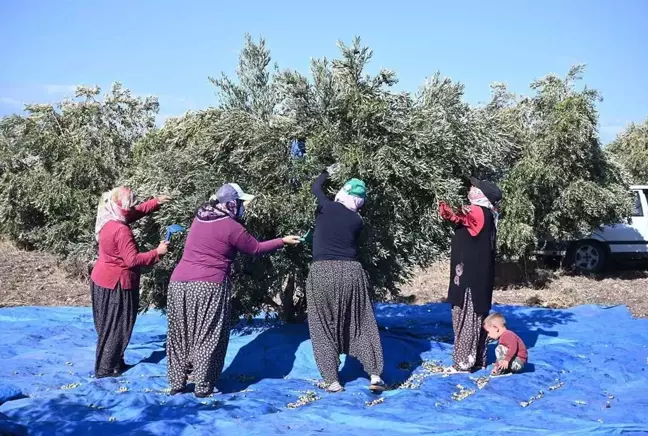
<point x="588" y="256"/>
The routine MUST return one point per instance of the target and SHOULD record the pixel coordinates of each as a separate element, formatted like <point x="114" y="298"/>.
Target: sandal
<point x="451" y="370"/>
<point x="376" y="384"/>
<point x="334" y="388"/>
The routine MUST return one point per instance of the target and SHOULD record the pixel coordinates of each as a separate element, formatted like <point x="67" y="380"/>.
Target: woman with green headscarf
<point x="341" y="319"/>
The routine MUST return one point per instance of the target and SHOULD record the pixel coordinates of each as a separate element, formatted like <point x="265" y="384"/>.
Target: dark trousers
<point x="114" y="312"/>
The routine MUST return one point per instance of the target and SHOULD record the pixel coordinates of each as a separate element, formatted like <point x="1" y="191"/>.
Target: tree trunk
<point x="292" y="302"/>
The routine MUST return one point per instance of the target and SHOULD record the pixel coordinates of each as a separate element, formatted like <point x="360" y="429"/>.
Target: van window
<point x="637" y="209"/>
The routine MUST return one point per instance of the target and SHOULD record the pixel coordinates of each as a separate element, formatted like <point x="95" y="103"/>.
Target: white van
<point x="626" y="240"/>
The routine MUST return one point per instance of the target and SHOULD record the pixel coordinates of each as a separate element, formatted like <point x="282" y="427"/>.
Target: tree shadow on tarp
<point x="8" y="427"/>
<point x="528" y="368"/>
<point x="402" y="354"/>
<point x="72" y="415"/>
<point x="270" y="355"/>
<point x="530" y="324"/>
<point x="155" y="357"/>
<point x="154" y="339"/>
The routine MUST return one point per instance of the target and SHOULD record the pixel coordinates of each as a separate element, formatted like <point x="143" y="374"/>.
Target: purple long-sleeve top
<point x="211" y="248"/>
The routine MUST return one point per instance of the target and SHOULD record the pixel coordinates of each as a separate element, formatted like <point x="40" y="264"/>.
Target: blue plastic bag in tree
<point x="298" y="148"/>
<point x="173" y="229"/>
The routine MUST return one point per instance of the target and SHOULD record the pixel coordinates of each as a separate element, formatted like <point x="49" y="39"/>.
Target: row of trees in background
<point x="412" y="149"/>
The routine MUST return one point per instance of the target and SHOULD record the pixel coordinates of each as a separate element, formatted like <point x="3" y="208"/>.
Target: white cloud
<point x="59" y="89"/>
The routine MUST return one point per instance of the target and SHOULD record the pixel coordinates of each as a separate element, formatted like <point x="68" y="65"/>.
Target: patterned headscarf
<point x="351" y="202"/>
<point x="477" y="198"/>
<point x="114" y="206"/>
<point x="212" y="210"/>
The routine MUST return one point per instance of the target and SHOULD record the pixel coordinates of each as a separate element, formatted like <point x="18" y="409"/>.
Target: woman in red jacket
<point x="116" y="276"/>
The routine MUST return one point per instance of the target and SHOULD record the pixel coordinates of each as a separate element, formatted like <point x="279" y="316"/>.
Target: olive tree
<point x="56" y="160"/>
<point x="411" y="150"/>
<point x="631" y="149"/>
<point x="564" y="185"/>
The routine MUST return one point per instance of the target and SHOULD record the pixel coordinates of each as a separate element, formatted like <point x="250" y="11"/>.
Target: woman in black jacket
<point x="472" y="273"/>
<point x="341" y="319"/>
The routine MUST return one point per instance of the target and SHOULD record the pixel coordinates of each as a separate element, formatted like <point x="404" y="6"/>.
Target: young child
<point x="511" y="353"/>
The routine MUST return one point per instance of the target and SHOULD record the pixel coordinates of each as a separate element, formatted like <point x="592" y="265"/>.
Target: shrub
<point x="564" y="184"/>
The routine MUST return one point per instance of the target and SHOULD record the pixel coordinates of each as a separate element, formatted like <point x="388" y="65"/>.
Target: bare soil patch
<point x="621" y="284"/>
<point x="32" y="278"/>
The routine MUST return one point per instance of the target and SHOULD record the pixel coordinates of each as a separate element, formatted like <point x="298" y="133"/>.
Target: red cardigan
<point x="119" y="259"/>
<point x="470" y="217"/>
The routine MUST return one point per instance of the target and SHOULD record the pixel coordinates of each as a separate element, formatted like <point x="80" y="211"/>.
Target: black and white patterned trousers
<point x="469" y="336"/>
<point x="199" y="330"/>
<point x="341" y="318"/>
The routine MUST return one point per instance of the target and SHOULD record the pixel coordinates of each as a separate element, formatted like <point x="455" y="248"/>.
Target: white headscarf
<point x="114" y="206"/>
<point x="349" y="201"/>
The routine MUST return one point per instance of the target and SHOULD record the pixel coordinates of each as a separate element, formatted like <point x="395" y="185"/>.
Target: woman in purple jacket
<point x="199" y="297"/>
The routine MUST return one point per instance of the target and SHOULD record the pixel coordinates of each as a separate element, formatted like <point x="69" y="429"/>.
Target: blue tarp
<point x="589" y="363"/>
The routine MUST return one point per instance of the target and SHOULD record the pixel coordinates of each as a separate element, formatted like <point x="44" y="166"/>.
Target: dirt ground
<point x="621" y="284"/>
<point x="36" y="279"/>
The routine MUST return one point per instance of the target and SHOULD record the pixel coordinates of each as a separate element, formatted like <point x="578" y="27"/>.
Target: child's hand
<point x="502" y="365"/>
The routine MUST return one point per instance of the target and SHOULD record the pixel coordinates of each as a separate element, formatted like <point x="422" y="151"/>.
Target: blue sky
<point x="168" y="48"/>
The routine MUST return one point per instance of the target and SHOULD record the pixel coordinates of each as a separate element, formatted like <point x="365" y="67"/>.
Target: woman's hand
<point x="162" y="249"/>
<point x="333" y="169"/>
<point x="445" y="211"/>
<point x="291" y="240"/>
<point x="162" y="199"/>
